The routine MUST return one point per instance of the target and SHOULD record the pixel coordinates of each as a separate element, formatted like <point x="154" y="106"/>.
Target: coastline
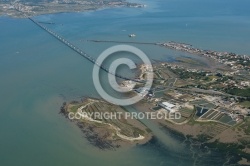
<point x="228" y="140"/>
<point x="236" y="151"/>
<point x="189" y="133"/>
<point x="51" y="76"/>
<point x="19" y="10"/>
<point x="104" y="135"/>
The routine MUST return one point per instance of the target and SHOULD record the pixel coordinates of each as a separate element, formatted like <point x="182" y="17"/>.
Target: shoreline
<point x="24" y="10"/>
<point x="195" y="133"/>
<point x="105" y="136"/>
<point x="235" y="150"/>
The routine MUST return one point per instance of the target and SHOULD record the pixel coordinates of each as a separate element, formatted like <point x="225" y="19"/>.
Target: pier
<point x="127" y="42"/>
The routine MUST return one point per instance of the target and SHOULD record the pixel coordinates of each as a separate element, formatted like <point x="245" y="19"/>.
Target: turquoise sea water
<point x="38" y="73"/>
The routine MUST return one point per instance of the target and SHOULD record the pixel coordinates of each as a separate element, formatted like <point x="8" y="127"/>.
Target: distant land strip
<point x="130" y="42"/>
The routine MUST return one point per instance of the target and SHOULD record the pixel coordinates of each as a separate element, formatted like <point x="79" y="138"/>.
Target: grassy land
<point x="74" y="108"/>
<point x="193" y="122"/>
<point x="245" y="104"/>
<point x="187" y="60"/>
<point x="246" y="125"/>
<point x="182" y="119"/>
<point x="240" y="92"/>
<point x="123" y="124"/>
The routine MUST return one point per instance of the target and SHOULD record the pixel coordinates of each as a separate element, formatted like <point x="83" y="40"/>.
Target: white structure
<point x="245" y="83"/>
<point x="168" y="106"/>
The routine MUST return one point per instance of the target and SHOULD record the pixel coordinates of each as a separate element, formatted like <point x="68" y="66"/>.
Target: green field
<point x="245" y="104"/>
<point x="185" y="112"/>
<point x="240" y="92"/>
<point x="246" y="125"/>
<point x="182" y="119"/>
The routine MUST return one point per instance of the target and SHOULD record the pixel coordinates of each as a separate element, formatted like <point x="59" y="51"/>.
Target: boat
<point x="131" y="35"/>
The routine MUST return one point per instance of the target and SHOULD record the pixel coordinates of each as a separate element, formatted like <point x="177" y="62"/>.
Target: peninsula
<point x="29" y="8"/>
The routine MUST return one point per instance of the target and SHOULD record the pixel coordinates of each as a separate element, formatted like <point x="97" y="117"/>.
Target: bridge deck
<point x="80" y="52"/>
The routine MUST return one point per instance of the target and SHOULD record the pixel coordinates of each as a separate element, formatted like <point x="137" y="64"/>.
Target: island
<point x="105" y="125"/>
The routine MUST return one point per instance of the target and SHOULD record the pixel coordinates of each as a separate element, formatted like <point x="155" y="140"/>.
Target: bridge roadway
<point x="80" y="52"/>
